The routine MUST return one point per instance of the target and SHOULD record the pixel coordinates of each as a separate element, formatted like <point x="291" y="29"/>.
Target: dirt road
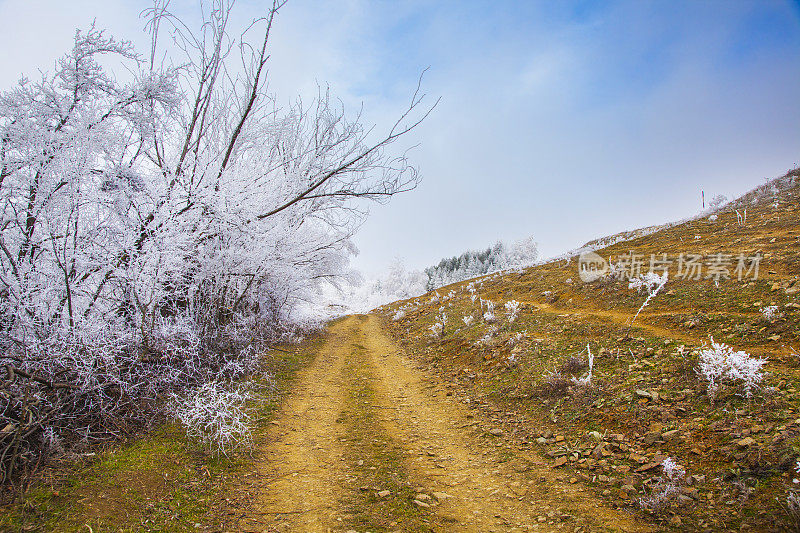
<point x="366" y="442"/>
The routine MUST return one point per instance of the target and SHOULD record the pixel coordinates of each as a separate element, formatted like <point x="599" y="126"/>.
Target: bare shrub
<point x="554" y="385"/>
<point x="573" y="365"/>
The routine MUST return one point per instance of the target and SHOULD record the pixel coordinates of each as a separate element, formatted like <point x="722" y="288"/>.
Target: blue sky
<point x="563" y="120"/>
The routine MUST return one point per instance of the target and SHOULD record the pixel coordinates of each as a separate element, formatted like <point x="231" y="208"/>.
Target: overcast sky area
<point x="563" y="120"/>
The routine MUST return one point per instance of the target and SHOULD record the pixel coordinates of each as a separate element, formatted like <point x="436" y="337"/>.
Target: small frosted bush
<point x="771" y="312"/>
<point x="586" y="381"/>
<point x="399" y="315"/>
<point x="793" y="501"/>
<point x="514" y="339"/>
<point x="215" y="413"/>
<point x="512" y="307"/>
<point x="719" y="364"/>
<point x="488" y="316"/>
<point x="668" y="487"/>
<point x="467" y="320"/>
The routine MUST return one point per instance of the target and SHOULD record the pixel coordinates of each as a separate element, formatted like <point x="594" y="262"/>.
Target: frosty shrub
<point x="793" y="501"/>
<point x="771" y="312"/>
<point x="586" y="381"/>
<point x="441" y="321"/>
<point x="512" y="306"/>
<point x="719" y="364"/>
<point x="554" y="385"/>
<point x="516" y="338"/>
<point x="468" y="320"/>
<point x="667" y="488"/>
<point x="399" y="315"/>
<point x="651" y="283"/>
<point x="215" y="413"/>
<point x="488" y="317"/>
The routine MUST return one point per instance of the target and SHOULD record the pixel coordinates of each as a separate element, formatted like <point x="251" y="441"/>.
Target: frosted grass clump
<point x="793" y="499"/>
<point x="514" y="339"/>
<point x="215" y="413"/>
<point x="771" y="312"/>
<point x="399" y="315"/>
<point x="512" y="306"/>
<point x="668" y="487"/>
<point x="467" y="320"/>
<point x="720" y="363"/>
<point x="586" y="381"/>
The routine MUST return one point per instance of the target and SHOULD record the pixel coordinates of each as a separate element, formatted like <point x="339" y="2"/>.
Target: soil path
<point x="362" y="392"/>
<point x="621" y="318"/>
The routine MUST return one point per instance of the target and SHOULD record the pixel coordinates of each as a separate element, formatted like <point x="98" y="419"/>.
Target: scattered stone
<point x="675" y="521"/>
<point x="561" y="461"/>
<point x="745" y="442"/>
<point x="441" y="496"/>
<point x="383" y="493"/>
<point x="421" y="504"/>
<point x="422" y="497"/>
<point x="645" y="394"/>
<point x="497" y="432"/>
<point x="669" y="434"/>
<point x="648" y="466"/>
<point x="595" y="435"/>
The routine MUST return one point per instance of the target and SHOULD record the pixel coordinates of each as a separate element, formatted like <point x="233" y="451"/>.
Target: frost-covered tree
<point x="471" y="264"/>
<point x="153" y="220"/>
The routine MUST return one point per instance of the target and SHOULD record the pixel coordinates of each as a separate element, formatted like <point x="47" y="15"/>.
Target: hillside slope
<point x="734" y="278"/>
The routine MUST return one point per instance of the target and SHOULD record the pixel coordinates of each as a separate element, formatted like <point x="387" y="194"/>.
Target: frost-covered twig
<point x="652" y="283"/>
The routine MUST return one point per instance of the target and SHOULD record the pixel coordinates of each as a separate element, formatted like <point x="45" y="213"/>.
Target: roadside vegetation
<point x="693" y="413"/>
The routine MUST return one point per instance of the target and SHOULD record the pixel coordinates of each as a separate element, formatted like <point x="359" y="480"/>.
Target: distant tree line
<point x="472" y="263"/>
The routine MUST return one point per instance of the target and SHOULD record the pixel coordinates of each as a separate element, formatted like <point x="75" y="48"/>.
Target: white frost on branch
<point x="652" y="283"/>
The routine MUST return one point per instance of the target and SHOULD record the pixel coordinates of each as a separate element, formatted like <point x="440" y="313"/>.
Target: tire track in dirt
<point x="304" y="480"/>
<point x="623" y="319"/>
<point x="446" y="456"/>
<point x="297" y="475"/>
